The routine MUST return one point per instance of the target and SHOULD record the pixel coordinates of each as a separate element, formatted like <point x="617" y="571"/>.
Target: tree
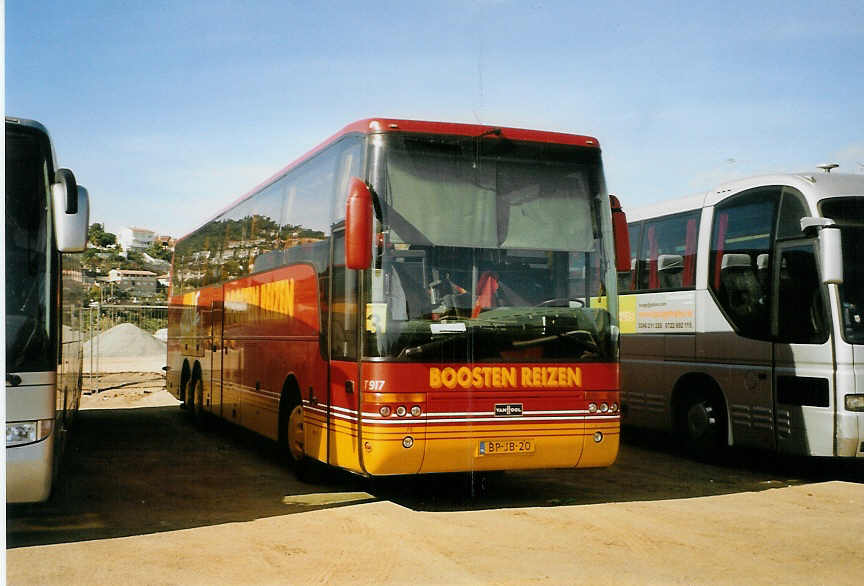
<point x="157" y="250"/>
<point x="97" y="236"/>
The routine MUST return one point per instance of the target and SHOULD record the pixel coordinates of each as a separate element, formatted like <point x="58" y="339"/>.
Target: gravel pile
<point x="125" y="340"/>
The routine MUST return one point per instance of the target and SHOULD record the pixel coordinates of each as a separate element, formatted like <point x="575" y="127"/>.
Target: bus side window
<point x="670" y="244"/>
<point x="741" y="242"/>
<point x="792" y="209"/>
<point x="800" y="307"/>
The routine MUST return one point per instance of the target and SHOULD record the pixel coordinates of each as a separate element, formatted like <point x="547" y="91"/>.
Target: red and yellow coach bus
<point x="411" y="297"/>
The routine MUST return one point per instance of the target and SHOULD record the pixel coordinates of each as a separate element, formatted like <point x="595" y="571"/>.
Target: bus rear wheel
<point x="702" y="422"/>
<point x="199" y="415"/>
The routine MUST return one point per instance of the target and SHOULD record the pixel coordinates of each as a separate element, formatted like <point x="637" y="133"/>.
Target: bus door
<point x="341" y="402"/>
<point x="804" y="361"/>
<point x="217" y="351"/>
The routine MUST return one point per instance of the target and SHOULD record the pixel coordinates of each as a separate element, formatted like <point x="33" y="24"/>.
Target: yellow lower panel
<point x="314" y="436"/>
<point x="343" y="445"/>
<point x="562" y="450"/>
<point x="392" y="449"/>
<point x="602" y="453"/>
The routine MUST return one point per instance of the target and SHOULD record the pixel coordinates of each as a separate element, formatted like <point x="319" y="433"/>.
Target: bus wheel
<point x="199" y="415"/>
<point x="295" y="434"/>
<point x="703" y="423"/>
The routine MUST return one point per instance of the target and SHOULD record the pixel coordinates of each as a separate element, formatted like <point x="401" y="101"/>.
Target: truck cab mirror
<point x="358" y="226"/>
<point x="830" y="248"/>
<point x="71" y="212"/>
<point x="621" y="236"/>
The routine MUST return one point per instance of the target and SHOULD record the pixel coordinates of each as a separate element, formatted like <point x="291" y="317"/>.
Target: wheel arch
<point x="683" y="388"/>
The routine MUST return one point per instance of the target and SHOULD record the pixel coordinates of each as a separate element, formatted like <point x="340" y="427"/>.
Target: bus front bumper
<point x="29" y="470"/>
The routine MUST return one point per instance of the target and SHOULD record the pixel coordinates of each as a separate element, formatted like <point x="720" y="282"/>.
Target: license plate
<point x="505" y="446"/>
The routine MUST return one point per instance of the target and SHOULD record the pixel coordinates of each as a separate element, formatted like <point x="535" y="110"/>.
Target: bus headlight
<point x="19" y="433"/>
<point x="855" y="402"/>
<point x="592" y="407"/>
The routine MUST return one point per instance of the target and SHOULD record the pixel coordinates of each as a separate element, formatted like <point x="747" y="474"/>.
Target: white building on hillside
<point x="136" y="238"/>
<point x="135" y="283"/>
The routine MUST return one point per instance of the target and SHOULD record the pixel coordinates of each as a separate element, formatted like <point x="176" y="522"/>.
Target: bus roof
<point x="814" y="185"/>
<point x="394" y="125"/>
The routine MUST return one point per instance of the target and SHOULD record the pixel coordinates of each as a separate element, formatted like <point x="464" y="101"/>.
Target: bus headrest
<point x="735" y="261"/>
<point x="668" y="262"/>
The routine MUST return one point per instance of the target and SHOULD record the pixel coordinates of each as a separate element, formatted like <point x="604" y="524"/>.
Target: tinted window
<point x="800" y="306"/>
<point x="792" y="209"/>
<point x="741" y="261"/>
<point x="287" y="221"/>
<point x="667" y="257"/>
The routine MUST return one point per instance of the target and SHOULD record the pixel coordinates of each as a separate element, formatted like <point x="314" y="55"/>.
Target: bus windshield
<point x="489" y="253"/>
<point x="28" y="253"/>
<point x="848" y="212"/>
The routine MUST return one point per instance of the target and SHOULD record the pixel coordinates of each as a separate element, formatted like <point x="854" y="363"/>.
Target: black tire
<point x="199" y="414"/>
<point x="702" y="424"/>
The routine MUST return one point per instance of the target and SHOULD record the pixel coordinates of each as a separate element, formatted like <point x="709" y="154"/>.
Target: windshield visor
<point x="29" y="259"/>
<point x="489" y="254"/>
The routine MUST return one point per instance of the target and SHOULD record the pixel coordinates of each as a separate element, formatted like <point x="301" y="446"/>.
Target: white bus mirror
<point x="71" y="227"/>
<point x="832" y="255"/>
<point x="830" y="248"/>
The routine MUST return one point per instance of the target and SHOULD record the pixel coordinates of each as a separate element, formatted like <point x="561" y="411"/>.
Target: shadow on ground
<point x="137" y="471"/>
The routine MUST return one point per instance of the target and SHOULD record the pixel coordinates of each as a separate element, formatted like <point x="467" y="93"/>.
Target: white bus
<point x="743" y="316"/>
<point x="46" y="218"/>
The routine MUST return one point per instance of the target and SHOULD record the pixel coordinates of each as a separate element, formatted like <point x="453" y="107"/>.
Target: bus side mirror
<point x="358" y="226"/>
<point x="621" y="236"/>
<point x="71" y="212"/>
<point x="830" y="248"/>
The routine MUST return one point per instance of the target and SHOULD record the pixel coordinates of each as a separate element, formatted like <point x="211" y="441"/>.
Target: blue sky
<point x="167" y="111"/>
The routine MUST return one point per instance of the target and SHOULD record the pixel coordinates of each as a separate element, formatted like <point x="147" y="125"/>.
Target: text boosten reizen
<point x="501" y="377"/>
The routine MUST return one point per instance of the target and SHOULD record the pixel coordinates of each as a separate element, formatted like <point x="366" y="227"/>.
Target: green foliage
<point x="97" y="236"/>
<point x="156" y="250"/>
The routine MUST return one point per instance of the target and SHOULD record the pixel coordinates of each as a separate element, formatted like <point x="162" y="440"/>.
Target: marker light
<point x="854" y="402"/>
<point x="401" y="411"/>
<point x="407" y="441"/>
<point x="598" y="437"/>
<point x="592" y="407"/>
<point x="385" y="411"/>
<point x="415" y="411"/>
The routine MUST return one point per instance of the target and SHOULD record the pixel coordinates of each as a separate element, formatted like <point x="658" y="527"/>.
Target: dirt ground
<point x="149" y="499"/>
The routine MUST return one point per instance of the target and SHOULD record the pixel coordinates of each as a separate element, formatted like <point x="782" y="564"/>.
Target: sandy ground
<point x="805" y="535"/>
<point x="124" y="364"/>
<point x="812" y="533"/>
<point x="123" y="390"/>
